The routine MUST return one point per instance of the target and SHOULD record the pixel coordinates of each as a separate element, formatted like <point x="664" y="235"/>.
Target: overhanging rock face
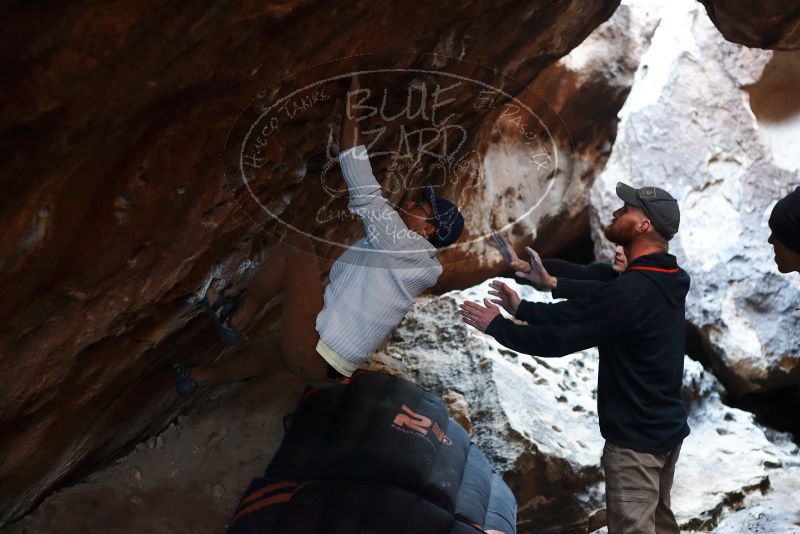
<point x="116" y="209"/>
<point x="772" y="24"/>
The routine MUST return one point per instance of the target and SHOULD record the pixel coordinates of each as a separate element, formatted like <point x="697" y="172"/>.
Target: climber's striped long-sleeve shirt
<point x="376" y="280"/>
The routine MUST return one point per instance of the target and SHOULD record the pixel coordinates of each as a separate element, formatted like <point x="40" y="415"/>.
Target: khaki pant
<point x="637" y="490"/>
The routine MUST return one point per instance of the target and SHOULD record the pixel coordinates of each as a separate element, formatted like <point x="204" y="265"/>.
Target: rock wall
<point x="187" y="479"/>
<point x="540" y="194"/>
<point x="773" y="24"/>
<point x="117" y="210"/>
<point x="713" y="123"/>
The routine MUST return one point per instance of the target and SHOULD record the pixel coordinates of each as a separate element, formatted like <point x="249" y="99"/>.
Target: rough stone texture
<point x="538" y="193"/>
<point x="186" y="480"/>
<point x="687" y="126"/>
<point x="772" y="511"/>
<point x="536" y="420"/>
<point x="729" y="462"/>
<point x="771" y="24"/>
<point x="458" y="407"/>
<point x="116" y="210"/>
<point x="115" y="206"/>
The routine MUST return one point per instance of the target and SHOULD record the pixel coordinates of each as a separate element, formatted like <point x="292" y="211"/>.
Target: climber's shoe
<point x="220" y="311"/>
<point x="183" y="380"/>
<point x="225" y="308"/>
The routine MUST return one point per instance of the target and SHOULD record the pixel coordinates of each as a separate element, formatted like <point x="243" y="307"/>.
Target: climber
<point x="637" y="321"/>
<point x="785" y="237"/>
<point x="326" y="336"/>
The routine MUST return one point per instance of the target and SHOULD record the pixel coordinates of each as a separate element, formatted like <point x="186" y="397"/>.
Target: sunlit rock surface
<point x="713" y="123"/>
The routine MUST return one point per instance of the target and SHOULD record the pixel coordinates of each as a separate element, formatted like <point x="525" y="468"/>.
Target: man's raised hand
<point x="538" y="275"/>
<point x="501" y="244"/>
<point x="505" y="296"/>
<point x="479" y="316"/>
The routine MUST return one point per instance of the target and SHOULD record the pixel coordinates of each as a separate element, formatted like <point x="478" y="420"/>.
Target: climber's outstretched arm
<point x="351" y="136"/>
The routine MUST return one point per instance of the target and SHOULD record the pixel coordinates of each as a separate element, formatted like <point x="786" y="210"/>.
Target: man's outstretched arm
<point x="568" y="288"/>
<point x="564" y="279"/>
<point x="602" y="272"/>
<point x="596" y="321"/>
<point x="568" y="280"/>
<point x="542" y="313"/>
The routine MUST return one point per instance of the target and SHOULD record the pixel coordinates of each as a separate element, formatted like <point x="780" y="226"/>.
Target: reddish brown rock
<point x="773" y="24"/>
<point x="115" y="205"/>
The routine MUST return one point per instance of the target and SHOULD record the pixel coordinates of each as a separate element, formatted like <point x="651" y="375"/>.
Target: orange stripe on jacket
<point x="275" y="499"/>
<point x="266" y="489"/>
<point x="655" y="269"/>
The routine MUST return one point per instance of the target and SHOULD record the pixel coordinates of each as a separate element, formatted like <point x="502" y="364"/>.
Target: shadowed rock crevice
<point x="556" y="494"/>
<point x="571" y="242"/>
<point x="776" y="409"/>
<point x="698" y="346"/>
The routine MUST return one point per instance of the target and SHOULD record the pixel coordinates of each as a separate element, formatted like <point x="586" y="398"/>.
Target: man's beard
<point x="620" y="234"/>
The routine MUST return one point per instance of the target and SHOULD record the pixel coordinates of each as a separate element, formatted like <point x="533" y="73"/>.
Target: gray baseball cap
<point x="659" y="206"/>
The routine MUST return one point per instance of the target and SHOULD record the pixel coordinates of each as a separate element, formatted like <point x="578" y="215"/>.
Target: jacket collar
<point x="658" y="262"/>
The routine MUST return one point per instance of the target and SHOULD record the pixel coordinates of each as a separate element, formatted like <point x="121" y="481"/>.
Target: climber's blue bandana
<point x="446" y="218"/>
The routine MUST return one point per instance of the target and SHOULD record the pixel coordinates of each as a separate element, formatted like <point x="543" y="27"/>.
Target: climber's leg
<point x="267" y="283"/>
<point x="290" y="268"/>
<point x="248" y="359"/>
<point x="302" y="302"/>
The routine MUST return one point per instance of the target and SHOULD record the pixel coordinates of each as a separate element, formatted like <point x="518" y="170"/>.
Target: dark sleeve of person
<point x="551" y="314"/>
<point x="602" y="272"/>
<point x="573" y="325"/>
<point x="568" y="288"/>
<point x="575" y="280"/>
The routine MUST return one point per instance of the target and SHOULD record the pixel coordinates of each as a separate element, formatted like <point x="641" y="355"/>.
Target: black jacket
<point x="578" y="280"/>
<point x="637" y="322"/>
